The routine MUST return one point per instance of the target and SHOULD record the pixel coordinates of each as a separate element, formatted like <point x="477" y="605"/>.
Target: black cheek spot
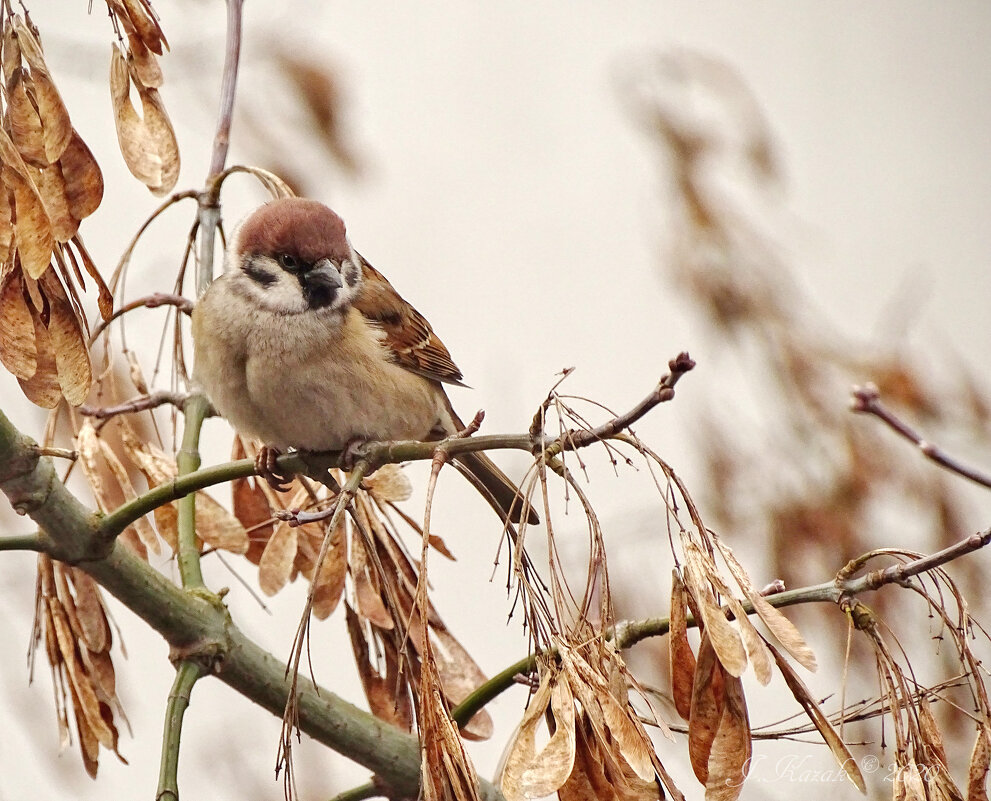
<point x="257" y="273"/>
<point x="350" y="272"/>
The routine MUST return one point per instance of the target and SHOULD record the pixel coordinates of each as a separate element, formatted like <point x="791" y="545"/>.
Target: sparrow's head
<point x="292" y="256"/>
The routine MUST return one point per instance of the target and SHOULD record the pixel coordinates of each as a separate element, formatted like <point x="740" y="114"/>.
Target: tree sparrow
<point x="303" y="344"/>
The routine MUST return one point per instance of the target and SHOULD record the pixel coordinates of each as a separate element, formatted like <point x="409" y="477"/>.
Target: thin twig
<point x="866" y="399"/>
<point x="58" y="453"/>
<point x="209" y="205"/>
<point x="152" y="301"/>
<point x="228" y="87"/>
<point x="290" y="717"/>
<point x="23" y="542"/>
<point x="141" y="403"/>
<point x="664" y="391"/>
<point x="360" y="793"/>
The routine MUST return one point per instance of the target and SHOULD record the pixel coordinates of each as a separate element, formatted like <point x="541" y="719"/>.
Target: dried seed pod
<point x="82" y="177"/>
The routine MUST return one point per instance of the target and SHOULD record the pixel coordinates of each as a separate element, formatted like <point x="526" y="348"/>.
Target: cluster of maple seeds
<point x="147" y="141"/>
<point x="48" y="184"/>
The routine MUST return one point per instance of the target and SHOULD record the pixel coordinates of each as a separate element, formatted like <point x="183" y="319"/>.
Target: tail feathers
<point x="496" y="487"/>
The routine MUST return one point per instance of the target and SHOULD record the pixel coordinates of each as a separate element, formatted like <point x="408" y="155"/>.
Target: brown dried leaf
<point x="781" y="627"/>
<point x="389" y="484"/>
<point x="137" y="146"/>
<point x="82" y="176"/>
<point x="145" y="24"/>
<point x="388" y="697"/>
<point x="94" y="456"/>
<point x="43" y="387"/>
<point x="32" y="228"/>
<point x="24" y="121"/>
<point x="143" y="528"/>
<point x="529" y="773"/>
<point x="54" y="115"/>
<point x="160" y="131"/>
<point x="11" y="51"/>
<point x="681" y="658"/>
<point x="757" y="653"/>
<point x="277" y="560"/>
<point x="75" y="374"/>
<point x="51" y="188"/>
<point x="318" y="91"/>
<point x="167" y="522"/>
<point x="106" y="298"/>
<point x="328" y="586"/>
<point x="908" y="782"/>
<point x="252" y="509"/>
<point x="35" y="294"/>
<point x="708" y="698"/>
<point x="729" y="757"/>
<point x="94" y="627"/>
<point x="725" y="639"/>
<point x="143" y="62"/>
<point x="18" y="350"/>
<point x="217" y="527"/>
<point x="369" y="600"/>
<point x="592" y="689"/>
<point x="446" y="769"/>
<point x="6" y="229"/>
<point x="459" y="674"/>
<point x="980" y="761"/>
<point x="100" y="668"/>
<point x="89" y="744"/>
<point x="523" y="750"/>
<point x="83" y="693"/>
<point x="273" y="183"/>
<point x="840" y="752"/>
<point x="56" y="127"/>
<point x="587" y="781"/>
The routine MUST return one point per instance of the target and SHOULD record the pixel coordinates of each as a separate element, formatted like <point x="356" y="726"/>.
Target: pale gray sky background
<point x="510" y="196"/>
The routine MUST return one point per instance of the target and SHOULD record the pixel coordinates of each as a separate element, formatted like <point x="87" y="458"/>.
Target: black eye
<point x="288" y="262"/>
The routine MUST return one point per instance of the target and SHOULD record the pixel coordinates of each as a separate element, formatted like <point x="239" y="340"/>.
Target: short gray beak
<point x="320" y="284"/>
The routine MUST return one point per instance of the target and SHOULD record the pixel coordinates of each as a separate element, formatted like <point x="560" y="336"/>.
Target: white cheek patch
<point x="351" y="269"/>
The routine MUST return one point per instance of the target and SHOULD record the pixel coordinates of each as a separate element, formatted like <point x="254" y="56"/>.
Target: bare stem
<point x="867" y="400"/>
<point x="209" y="198"/>
<point x="152" y="301"/>
<point x="23" y="542"/>
<point x="360" y="793"/>
<point x="228" y="87"/>
<point x="188" y="460"/>
<point x="141" y="403"/>
<point x="664" y="391"/>
<point x="188" y="672"/>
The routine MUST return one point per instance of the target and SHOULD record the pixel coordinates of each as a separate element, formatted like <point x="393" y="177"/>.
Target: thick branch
<point x="194" y="624"/>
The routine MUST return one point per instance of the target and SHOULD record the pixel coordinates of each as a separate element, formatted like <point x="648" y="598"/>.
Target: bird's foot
<point x="267" y="467"/>
<point x="350" y="453"/>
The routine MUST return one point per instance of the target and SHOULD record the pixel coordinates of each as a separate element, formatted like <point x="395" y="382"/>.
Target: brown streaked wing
<point x="411" y="340"/>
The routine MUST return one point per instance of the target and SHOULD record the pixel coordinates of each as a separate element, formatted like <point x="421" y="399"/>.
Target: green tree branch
<point x="196" y="626"/>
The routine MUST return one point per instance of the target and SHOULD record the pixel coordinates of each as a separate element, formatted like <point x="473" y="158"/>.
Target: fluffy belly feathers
<point x="290" y="382"/>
